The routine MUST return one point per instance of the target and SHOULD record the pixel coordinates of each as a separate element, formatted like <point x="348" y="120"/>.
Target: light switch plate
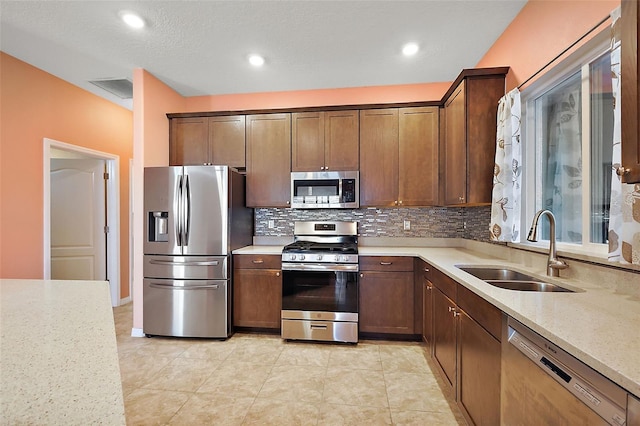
<point x="407" y="225"/>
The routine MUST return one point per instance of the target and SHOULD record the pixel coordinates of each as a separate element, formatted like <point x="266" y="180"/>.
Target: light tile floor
<point x="262" y="380"/>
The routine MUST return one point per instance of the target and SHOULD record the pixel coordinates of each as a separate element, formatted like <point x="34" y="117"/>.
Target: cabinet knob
<point x="429" y="287"/>
<point x="321" y="167"/>
<point x="621" y="171"/>
<point x="461" y="199"/>
<point x="400" y="202"/>
<point x="395" y="203"/>
<point x="452" y="309"/>
<point x="361" y="275"/>
<point x="288" y="202"/>
<point x="278" y="274"/>
<point x="426" y="269"/>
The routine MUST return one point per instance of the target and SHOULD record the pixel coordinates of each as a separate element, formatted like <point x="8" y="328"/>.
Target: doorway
<point x="81" y="215"/>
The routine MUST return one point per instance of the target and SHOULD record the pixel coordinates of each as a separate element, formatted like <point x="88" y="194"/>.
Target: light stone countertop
<point x="598" y="324"/>
<point x="58" y="354"/>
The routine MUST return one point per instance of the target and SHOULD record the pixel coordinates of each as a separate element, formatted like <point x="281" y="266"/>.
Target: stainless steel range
<point x="320" y="282"/>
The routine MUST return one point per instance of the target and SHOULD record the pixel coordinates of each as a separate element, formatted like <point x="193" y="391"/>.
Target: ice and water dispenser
<point x="158" y="226"/>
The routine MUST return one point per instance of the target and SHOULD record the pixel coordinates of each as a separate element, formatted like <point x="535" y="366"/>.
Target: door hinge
<point x="106" y="229"/>
<point x="106" y="175"/>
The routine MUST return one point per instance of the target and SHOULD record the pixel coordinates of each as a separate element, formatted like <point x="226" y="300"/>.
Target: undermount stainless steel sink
<point x="511" y="280"/>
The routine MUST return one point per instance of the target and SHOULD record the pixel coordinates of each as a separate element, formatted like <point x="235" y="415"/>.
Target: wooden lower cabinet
<point x="467" y="348"/>
<point x="479" y="372"/>
<point x="257" y="291"/>
<point x="444" y="336"/>
<point x="386" y="295"/>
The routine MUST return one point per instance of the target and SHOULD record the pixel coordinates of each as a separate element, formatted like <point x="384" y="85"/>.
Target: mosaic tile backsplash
<point x="432" y="222"/>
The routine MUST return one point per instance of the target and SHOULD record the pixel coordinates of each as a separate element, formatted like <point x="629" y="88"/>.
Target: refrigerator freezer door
<point x="162" y="210"/>
<point x="186" y="308"/>
<point x="186" y="267"/>
<point x="206" y="210"/>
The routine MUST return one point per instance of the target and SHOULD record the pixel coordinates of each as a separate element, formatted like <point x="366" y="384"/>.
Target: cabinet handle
<point x="256" y="261"/>
<point x="426" y="269"/>
<point x="456" y="314"/>
<point x="429" y="287"/>
<point x="278" y="274"/>
<point x="452" y="309"/>
<point x="621" y="171"/>
<point x="386" y="263"/>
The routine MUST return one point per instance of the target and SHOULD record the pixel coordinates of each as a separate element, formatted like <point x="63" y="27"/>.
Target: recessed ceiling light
<point x="410" y="49"/>
<point x="256" y="60"/>
<point x="133" y="20"/>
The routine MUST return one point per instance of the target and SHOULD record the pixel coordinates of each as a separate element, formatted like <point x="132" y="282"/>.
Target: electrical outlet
<point x="271" y="224"/>
<point x="407" y="225"/>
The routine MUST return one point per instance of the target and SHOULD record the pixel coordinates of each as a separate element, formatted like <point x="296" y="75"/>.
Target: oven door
<point x="320" y="288"/>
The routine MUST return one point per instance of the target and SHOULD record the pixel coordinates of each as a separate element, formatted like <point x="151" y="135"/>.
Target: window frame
<point x="580" y="60"/>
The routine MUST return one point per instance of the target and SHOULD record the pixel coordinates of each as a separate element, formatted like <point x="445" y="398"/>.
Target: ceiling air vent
<point x="122" y="87"/>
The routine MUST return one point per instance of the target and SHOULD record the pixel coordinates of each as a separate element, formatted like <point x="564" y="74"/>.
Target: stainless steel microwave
<point x="325" y="190"/>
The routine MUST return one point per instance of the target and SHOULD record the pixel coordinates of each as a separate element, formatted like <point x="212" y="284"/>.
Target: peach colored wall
<point x="36" y="105"/>
<point x="541" y="31"/>
<point x="151" y="101"/>
<point x="320" y="97"/>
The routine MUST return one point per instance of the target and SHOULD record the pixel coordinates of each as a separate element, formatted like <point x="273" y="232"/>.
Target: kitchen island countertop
<point x="597" y="324"/>
<point x="59" y="357"/>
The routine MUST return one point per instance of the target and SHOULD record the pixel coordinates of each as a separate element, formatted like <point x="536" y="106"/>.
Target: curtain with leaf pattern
<point x="624" y="213"/>
<point x="505" y="204"/>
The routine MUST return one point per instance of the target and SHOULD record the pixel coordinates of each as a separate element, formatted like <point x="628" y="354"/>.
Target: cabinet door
<point x="630" y="72"/>
<point x="478" y="372"/>
<point x="378" y="157"/>
<point x="427" y="313"/>
<point x="455" y="148"/>
<point x="341" y="140"/>
<point x="444" y="335"/>
<point x="257" y="298"/>
<point x="418" y="156"/>
<point x="269" y="160"/>
<point x="386" y="302"/>
<point x="227" y="140"/>
<point x="482" y="96"/>
<point x="188" y="141"/>
<point x="307" y="141"/>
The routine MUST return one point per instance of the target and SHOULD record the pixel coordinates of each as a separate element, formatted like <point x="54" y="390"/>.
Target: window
<point x="568" y="136"/>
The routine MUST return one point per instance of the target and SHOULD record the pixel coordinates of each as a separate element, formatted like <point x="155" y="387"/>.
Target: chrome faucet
<point x="553" y="264"/>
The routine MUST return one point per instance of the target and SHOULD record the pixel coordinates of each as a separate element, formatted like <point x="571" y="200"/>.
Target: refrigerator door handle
<point x="170" y="262"/>
<point x="180" y="287"/>
<point x="177" y="211"/>
<point x="187" y="211"/>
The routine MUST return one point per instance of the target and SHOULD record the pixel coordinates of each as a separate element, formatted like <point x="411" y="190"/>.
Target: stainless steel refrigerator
<point x="194" y="217"/>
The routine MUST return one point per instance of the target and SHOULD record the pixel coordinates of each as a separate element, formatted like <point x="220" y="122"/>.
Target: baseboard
<point x="137" y="332"/>
<point x="125" y="301"/>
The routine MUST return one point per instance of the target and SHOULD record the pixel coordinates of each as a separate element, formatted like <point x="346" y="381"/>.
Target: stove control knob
<point x="319" y="257"/>
<point x="292" y="256"/>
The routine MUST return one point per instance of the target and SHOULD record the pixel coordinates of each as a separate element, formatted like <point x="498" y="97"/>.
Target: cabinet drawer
<point x="485" y="314"/>
<point x="445" y="284"/>
<point x="386" y="263"/>
<point x="257" y="261"/>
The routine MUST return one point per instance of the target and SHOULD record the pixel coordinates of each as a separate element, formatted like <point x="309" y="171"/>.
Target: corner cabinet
<point x="325" y="140"/>
<point x="468" y="143"/>
<point x="467" y="331"/>
<point x="207" y="140"/>
<point x="630" y="109"/>
<point x="269" y="160"/>
<point x="399" y="157"/>
<point x="257" y="291"/>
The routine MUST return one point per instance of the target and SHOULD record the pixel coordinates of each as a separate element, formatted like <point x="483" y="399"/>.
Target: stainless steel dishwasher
<point x="558" y="390"/>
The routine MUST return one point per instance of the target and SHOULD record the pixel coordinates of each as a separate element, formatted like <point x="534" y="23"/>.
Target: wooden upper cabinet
<point x="268" y="160"/>
<point x="399" y="157"/>
<point x="630" y="108"/>
<point x="188" y="144"/>
<point x="378" y="157"/>
<point x="470" y="113"/>
<point x="455" y="148"/>
<point x="418" y="156"/>
<point x="227" y="140"/>
<point x="341" y="140"/>
<point x="207" y="140"/>
<point x="324" y="141"/>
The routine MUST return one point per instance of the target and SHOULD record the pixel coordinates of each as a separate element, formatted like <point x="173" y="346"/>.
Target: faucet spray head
<point x="533" y="232"/>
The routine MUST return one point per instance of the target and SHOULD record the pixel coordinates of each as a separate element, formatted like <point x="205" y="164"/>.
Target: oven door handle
<point x="320" y="267"/>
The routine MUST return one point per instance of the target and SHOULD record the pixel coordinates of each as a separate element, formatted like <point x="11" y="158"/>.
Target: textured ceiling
<point x="201" y="47"/>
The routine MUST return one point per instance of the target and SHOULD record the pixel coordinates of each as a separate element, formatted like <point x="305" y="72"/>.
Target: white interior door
<point x="78" y="216"/>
